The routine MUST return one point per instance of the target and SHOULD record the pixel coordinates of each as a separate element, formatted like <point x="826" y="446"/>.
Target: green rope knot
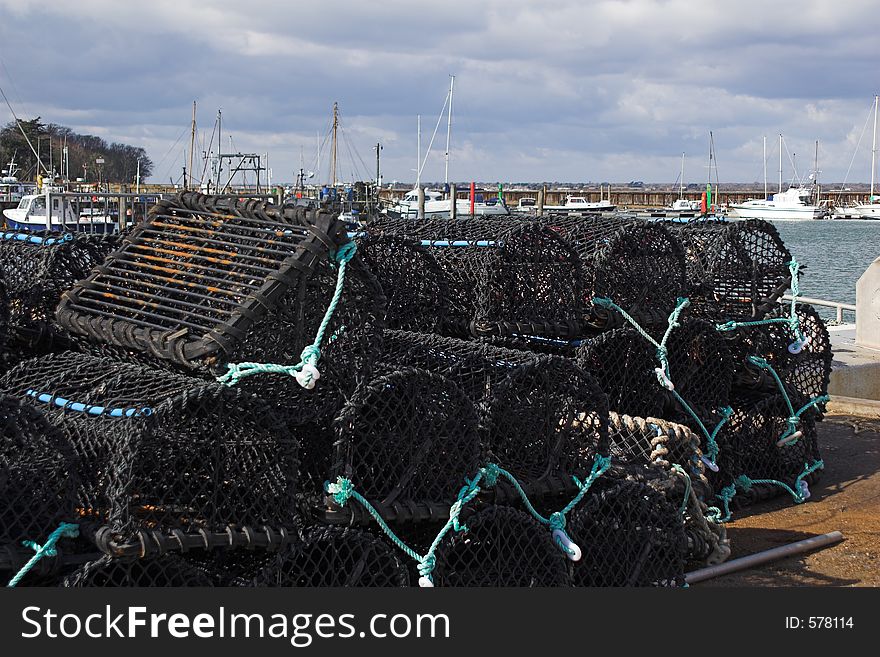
<point x="48" y="549"/>
<point x="743" y="482"/>
<point x="556" y="521"/>
<point x="490" y="474"/>
<point x="342" y="490"/>
<point x="346" y="252"/>
<point x="603" y="302"/>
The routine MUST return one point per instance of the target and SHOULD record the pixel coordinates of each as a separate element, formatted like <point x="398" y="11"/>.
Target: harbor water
<point x="834" y="254"/>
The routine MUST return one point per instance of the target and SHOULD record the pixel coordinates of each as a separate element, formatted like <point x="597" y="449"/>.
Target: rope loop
<point x="48" y="549"/>
<point x="556" y="521"/>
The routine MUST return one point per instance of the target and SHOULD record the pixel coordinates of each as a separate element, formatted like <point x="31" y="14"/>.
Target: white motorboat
<point x="437" y="207"/>
<point x="793" y="204"/>
<point x="31" y="214"/>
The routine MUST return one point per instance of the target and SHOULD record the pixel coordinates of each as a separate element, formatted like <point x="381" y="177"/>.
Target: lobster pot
<point x="544" y="418"/>
<point x="624" y="364"/>
<point x="630" y="535"/>
<point x="667" y="456"/>
<point x="38" y="478"/>
<point x="163" y="453"/>
<point x="735" y="270"/>
<point x="157" y="571"/>
<point x="637" y="264"/>
<point x="748" y="445"/>
<point x="207" y="281"/>
<point x="505" y="277"/>
<point x="415" y="287"/>
<point x="36" y="269"/>
<point x="336" y="556"/>
<point x="502" y="546"/>
<point x="806" y="373"/>
<point x="407" y="441"/>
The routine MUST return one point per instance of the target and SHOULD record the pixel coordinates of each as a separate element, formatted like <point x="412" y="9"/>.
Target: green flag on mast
<point x="708" y="195"/>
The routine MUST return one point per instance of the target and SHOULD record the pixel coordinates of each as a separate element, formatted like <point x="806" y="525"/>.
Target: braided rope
<point x="65" y="530"/>
<point x="305" y="372"/>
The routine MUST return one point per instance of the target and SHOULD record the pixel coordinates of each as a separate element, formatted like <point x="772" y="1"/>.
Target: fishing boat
<point x="31" y="214"/>
<point x="11" y="189"/>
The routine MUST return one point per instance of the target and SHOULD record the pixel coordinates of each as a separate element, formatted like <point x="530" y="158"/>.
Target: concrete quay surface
<point x="855" y="375"/>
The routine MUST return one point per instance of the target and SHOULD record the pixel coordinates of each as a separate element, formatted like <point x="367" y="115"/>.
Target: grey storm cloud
<point x="563" y="90"/>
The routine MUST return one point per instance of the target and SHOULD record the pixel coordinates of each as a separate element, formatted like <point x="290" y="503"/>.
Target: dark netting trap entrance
<point x="505" y="277"/>
<point x="625" y="365"/>
<point x="212" y="282"/>
<point x="735" y="269"/>
<point x="336" y="556"/>
<point x="36" y="269"/>
<point x="407" y="441"/>
<point x="544" y="418"/>
<point x="630" y="535"/>
<point x="501" y="546"/>
<point x="38" y="480"/>
<point x="804" y="368"/>
<point x="166" y="570"/>
<point x="638" y="264"/>
<point x="166" y="461"/>
<point x="415" y="287"/>
<point x="766" y="451"/>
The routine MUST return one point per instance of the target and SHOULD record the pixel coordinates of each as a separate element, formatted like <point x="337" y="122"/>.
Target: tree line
<point x="120" y="161"/>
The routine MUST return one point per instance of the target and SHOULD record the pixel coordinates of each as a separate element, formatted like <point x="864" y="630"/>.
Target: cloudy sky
<point x="552" y="91"/>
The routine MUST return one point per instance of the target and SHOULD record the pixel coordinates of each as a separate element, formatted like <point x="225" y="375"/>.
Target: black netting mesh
<point x="337" y="556"/>
<point x="416" y="288"/>
<point x="167" y="570"/>
<point x="501" y="547"/>
<point x="700" y="366"/>
<point x="163" y="451"/>
<point x="407" y="441"/>
<point x="638" y="265"/>
<point x="545" y="418"/>
<point x="36" y="269"/>
<point x="505" y="277"/>
<point x="748" y="445"/>
<point x="630" y="535"/>
<point x="806" y="372"/>
<point x="733" y="268"/>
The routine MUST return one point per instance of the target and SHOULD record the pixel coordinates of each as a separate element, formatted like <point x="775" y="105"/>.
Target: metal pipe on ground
<point x="752" y="560"/>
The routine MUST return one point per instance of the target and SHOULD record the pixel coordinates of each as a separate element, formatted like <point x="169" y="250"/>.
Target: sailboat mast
<point x="333" y="147"/>
<point x="449" y="126"/>
<point x="418" y="150"/>
<point x="765" y="167"/>
<point x="192" y="146"/>
<point x="874" y="149"/>
<point x="780" y="161"/>
<point x="680" y="182"/>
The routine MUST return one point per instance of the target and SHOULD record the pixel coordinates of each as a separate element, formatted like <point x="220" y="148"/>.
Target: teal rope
<point x="343" y="491"/>
<point x="65" y="530"/>
<point x="687" y="488"/>
<point x="663" y="373"/>
<point x="794" y="416"/>
<point x="306" y="371"/>
<point x="800" y="493"/>
<point x="792" y="320"/>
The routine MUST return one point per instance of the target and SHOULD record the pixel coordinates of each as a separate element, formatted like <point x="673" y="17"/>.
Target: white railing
<point x="839" y="307"/>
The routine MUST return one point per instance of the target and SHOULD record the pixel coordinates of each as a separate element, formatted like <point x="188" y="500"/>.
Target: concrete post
<point x="122" y="218"/>
<point x="868" y="307"/>
<point x="453" y="210"/>
<point x="421" y="214"/>
<point x="541" y="201"/>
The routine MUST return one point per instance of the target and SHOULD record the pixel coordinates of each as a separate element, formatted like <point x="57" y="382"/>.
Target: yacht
<point x="437" y="207"/>
<point x="792" y="205"/>
<point x="871" y="209"/>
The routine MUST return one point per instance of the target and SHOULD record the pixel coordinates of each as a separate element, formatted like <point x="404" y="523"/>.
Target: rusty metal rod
<point x="211" y="240"/>
<point x="102" y="282"/>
